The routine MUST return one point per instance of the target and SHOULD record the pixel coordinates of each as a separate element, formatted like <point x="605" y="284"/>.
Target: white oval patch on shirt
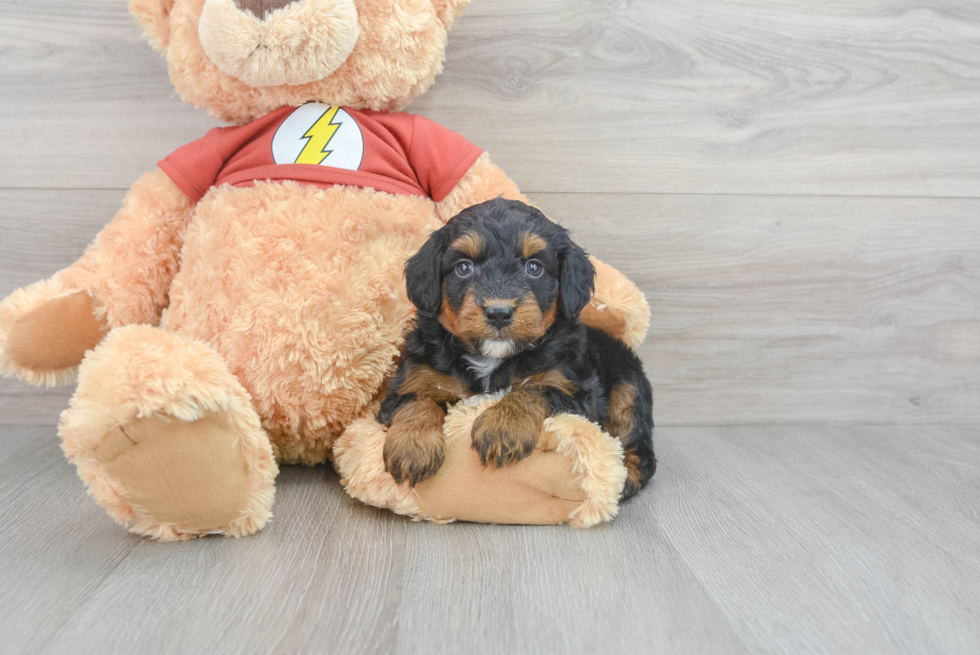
<point x="319" y="135"/>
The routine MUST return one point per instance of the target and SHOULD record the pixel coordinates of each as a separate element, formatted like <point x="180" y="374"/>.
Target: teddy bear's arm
<point x="618" y="307"/>
<point x="122" y="278"/>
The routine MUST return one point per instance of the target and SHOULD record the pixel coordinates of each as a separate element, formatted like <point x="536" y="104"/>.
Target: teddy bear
<point x="247" y="304"/>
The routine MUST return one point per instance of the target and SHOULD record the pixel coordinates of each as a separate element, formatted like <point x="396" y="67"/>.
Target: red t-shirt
<point x="322" y="145"/>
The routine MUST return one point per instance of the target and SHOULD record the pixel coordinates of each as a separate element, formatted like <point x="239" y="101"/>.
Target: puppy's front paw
<point x="413" y="454"/>
<point x="501" y="436"/>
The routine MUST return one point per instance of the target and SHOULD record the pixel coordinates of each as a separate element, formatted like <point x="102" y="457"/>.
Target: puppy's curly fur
<point x="499" y="291"/>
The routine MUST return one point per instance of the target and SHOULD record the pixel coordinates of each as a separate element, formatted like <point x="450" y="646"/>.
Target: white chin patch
<point x="498" y="348"/>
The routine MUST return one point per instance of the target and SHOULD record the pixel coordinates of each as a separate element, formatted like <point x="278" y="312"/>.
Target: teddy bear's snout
<point x="278" y="42"/>
<point x="260" y="8"/>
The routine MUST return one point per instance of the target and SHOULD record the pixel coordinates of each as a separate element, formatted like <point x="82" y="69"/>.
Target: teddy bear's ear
<point x="448" y="10"/>
<point x="154" y="17"/>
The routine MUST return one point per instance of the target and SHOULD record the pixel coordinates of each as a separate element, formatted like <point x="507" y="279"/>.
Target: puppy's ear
<point x="576" y="282"/>
<point x="423" y="272"/>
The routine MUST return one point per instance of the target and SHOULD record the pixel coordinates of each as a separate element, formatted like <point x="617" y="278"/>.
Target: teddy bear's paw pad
<point x="538" y="490"/>
<point x="46" y="337"/>
<point x="188" y="475"/>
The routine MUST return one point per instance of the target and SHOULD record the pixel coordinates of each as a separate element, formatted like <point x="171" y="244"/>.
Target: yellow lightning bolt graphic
<point x="319" y="136"/>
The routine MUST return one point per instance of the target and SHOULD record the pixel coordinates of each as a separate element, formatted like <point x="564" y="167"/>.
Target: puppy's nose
<point x="499" y="316"/>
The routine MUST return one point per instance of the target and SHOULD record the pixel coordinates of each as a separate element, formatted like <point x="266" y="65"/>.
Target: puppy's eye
<point x="533" y="268"/>
<point x="464" y="268"/>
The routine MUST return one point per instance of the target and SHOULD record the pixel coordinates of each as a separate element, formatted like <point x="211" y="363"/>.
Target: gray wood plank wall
<point x="796" y="186"/>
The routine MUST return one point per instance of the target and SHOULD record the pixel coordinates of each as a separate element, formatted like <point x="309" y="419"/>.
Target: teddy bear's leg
<point x="166" y="438"/>
<point x="122" y="278"/>
<point x="575" y="475"/>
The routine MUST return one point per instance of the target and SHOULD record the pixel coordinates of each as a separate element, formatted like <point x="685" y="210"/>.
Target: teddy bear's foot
<point x="45" y="330"/>
<point x="166" y="438"/>
<point x="575" y="475"/>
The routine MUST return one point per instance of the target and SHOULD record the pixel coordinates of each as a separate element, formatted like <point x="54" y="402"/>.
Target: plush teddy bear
<point x="247" y="303"/>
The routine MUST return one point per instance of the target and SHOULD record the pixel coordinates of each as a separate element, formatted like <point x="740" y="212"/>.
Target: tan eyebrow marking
<point x="532" y="244"/>
<point x="469" y="244"/>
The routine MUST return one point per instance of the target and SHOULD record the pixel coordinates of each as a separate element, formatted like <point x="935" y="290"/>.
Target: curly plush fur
<point x="315" y="313"/>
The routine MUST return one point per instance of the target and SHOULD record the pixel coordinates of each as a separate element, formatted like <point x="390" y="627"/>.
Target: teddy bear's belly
<point x="302" y="291"/>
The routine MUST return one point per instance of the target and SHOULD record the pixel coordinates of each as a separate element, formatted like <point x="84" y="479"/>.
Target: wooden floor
<point x="752" y="540"/>
<point x="796" y="187"/>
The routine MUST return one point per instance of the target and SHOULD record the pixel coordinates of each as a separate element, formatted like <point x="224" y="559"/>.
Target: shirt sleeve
<point x="195" y="167"/>
<point x="439" y="156"/>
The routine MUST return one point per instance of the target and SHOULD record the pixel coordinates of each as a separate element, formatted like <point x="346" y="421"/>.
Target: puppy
<point x="499" y="291"/>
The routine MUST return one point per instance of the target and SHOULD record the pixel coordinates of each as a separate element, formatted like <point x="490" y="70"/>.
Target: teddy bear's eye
<point x="465" y="268"/>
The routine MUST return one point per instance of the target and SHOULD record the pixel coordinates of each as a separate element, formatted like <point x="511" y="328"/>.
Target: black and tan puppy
<point x="499" y="291"/>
